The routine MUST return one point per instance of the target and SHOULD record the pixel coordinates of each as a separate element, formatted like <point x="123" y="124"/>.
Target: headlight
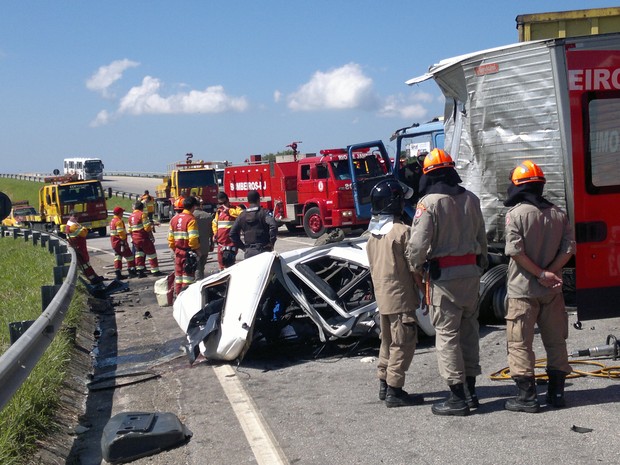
<point x="347" y="214"/>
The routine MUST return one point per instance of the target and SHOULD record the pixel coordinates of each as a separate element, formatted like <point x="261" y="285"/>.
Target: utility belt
<point x="433" y="267"/>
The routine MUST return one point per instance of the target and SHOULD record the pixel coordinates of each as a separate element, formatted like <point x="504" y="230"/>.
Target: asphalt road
<point x="318" y="405"/>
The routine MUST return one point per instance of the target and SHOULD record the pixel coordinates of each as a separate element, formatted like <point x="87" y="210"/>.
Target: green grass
<point x="28" y="415"/>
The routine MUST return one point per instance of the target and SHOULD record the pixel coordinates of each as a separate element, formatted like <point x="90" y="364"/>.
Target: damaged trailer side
<point x="555" y="102"/>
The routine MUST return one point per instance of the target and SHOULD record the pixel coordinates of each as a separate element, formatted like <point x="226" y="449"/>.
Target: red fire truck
<point x="317" y="192"/>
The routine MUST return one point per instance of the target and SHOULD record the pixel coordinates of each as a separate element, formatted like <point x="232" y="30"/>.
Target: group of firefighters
<point x="438" y="259"/>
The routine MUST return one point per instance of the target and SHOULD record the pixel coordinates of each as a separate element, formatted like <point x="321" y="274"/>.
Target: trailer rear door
<point x="594" y="91"/>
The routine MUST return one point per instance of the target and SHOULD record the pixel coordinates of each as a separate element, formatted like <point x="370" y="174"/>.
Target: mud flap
<point x="131" y="435"/>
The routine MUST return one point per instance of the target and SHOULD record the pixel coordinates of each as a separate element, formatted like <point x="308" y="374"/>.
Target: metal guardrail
<point x="22" y="356"/>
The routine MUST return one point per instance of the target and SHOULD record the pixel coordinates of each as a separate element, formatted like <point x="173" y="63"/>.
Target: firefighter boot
<point x="526" y="400"/>
<point x="471" y="398"/>
<point x="97" y="279"/>
<point x="455" y="404"/>
<point x="382" y="389"/>
<point x="141" y="273"/>
<point x="398" y="397"/>
<point x="132" y="273"/>
<point x="119" y="275"/>
<point x="555" y="388"/>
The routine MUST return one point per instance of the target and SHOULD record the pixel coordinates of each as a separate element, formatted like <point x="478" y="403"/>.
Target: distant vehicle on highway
<point x="85" y="168"/>
<point x="20" y="213"/>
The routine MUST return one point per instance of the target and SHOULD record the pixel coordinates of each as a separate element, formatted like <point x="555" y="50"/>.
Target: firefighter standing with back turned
<point x="142" y="238"/>
<point x="448" y="245"/>
<point x="183" y="237"/>
<point x="395" y="291"/>
<point x="225" y="217"/>
<point x="259" y="228"/>
<point x="539" y="241"/>
<point x="118" y="238"/>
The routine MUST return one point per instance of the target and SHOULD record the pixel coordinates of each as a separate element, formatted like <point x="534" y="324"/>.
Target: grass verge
<point x="28" y="415"/>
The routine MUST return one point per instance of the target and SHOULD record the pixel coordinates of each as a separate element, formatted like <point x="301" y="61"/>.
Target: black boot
<point x="526" y="400"/>
<point x="119" y="275"/>
<point x="382" y="389"/>
<point x="97" y="279"/>
<point x="455" y="404"/>
<point x="555" y="388"/>
<point x="141" y="274"/>
<point x="471" y="398"/>
<point x="132" y="273"/>
<point x="397" y="397"/>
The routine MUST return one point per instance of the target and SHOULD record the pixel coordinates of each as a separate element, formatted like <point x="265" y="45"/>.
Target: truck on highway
<point x="197" y="178"/>
<point x="556" y="102"/>
<point x="314" y="192"/>
<point x="58" y="198"/>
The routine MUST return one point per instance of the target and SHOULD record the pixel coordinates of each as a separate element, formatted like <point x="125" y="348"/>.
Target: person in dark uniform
<point x="395" y="292"/>
<point x="539" y="242"/>
<point x="259" y="228"/>
<point x="448" y="246"/>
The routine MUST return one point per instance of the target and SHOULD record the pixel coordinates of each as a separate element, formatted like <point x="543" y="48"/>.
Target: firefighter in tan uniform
<point x="395" y="292"/>
<point x="539" y="241"/>
<point x="448" y="246"/>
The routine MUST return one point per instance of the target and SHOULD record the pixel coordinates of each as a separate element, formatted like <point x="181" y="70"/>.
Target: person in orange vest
<point x="149" y="202"/>
<point x="142" y="238"/>
<point x="118" y="238"/>
<point x="76" y="236"/>
<point x="183" y="239"/>
<point x="225" y="217"/>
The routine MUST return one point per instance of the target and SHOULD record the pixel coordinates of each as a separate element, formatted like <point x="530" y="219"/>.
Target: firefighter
<point x="149" y="202"/>
<point x="448" y="246"/>
<point x="143" y="241"/>
<point x="395" y="292"/>
<point x="539" y="241"/>
<point x="225" y="216"/>
<point x="259" y="228"/>
<point x="183" y="239"/>
<point x="76" y="236"/>
<point x="118" y="238"/>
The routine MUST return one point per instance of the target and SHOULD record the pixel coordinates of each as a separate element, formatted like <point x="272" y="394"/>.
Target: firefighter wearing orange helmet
<point x="142" y="238"/>
<point x="225" y="216"/>
<point x="118" y="238"/>
<point x="184" y="240"/>
<point x="448" y="251"/>
<point x="539" y="242"/>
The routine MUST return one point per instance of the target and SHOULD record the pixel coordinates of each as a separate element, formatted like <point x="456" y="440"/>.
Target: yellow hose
<point x="602" y="372"/>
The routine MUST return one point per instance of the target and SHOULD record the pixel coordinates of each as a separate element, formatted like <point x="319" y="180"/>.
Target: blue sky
<point x="141" y="83"/>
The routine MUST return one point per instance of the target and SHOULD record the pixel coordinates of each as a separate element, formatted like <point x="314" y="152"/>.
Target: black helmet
<point x="387" y="198"/>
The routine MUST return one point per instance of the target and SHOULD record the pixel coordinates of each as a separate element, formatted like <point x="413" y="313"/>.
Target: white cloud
<point x="108" y="75"/>
<point x="342" y="88"/>
<point x="145" y="99"/>
<point x="407" y="107"/>
<point x="277" y="96"/>
<point x="102" y="118"/>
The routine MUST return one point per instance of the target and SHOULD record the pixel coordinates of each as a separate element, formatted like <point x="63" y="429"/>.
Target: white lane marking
<point x="290" y="239"/>
<point x="262" y="441"/>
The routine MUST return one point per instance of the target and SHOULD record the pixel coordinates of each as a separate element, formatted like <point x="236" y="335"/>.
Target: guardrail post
<point x="62" y="258"/>
<point x="36" y="235"/>
<point x="44" y="239"/>
<point x="47" y="295"/>
<point x="14" y="233"/>
<point x="53" y="243"/>
<point x="60" y="272"/>
<point x="17" y="328"/>
<point x="26" y="234"/>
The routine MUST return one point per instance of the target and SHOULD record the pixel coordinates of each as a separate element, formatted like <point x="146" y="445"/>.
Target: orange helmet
<point x="437" y="159"/>
<point x="178" y="203"/>
<point x="528" y="171"/>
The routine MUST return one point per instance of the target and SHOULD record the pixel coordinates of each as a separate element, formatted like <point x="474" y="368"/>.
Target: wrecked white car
<point x="323" y="292"/>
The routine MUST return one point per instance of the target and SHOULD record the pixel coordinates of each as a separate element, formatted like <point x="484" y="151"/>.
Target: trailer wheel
<point x="492" y="282"/>
<point x="313" y="223"/>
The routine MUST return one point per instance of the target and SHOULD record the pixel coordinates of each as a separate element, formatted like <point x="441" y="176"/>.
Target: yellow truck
<point x="571" y="23"/>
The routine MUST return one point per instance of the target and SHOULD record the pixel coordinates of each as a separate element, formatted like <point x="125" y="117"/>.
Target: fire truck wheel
<point x="313" y="223"/>
<point x="102" y="231"/>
